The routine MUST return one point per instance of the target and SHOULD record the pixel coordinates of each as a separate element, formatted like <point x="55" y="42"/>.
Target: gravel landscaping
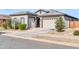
<point x="66" y="36"/>
<point x="61" y="39"/>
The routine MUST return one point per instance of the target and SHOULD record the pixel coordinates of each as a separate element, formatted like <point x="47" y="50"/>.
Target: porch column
<point x="41" y="22"/>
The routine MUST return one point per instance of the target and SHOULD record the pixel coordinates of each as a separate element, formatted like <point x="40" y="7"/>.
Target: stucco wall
<point x="66" y="21"/>
<point x="31" y="23"/>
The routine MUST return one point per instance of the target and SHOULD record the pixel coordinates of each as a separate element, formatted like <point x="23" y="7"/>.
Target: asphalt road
<point x="17" y="43"/>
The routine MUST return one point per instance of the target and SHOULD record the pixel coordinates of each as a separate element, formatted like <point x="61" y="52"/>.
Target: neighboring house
<point x="4" y="18"/>
<point x="25" y="17"/>
<point x="44" y="19"/>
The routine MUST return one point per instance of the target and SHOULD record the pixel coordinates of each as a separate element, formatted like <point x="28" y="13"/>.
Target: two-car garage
<point x="48" y="22"/>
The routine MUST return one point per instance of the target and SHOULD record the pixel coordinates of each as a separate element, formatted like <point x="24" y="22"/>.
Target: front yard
<point x="46" y="35"/>
<point x="66" y="36"/>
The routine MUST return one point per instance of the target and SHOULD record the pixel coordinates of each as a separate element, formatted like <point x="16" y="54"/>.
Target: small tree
<point x="9" y="25"/>
<point x="59" y="24"/>
<point x="4" y="25"/>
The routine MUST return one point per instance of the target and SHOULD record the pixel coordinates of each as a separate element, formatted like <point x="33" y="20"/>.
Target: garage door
<point x="49" y="24"/>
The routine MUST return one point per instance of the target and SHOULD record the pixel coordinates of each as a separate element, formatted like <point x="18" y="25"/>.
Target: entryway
<point x="38" y="22"/>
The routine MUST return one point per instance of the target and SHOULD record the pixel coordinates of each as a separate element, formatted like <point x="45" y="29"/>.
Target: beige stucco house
<point x="44" y="19"/>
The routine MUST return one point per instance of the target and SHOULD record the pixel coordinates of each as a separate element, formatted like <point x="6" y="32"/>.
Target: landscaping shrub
<point x="9" y="25"/>
<point x="76" y="33"/>
<point x="59" y="25"/>
<point x="16" y="25"/>
<point x="4" y="25"/>
<point x="22" y="26"/>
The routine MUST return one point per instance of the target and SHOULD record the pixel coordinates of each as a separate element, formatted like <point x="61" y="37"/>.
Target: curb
<point x="47" y="41"/>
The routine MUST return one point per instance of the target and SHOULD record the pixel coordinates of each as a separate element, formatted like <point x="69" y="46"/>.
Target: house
<point x="4" y="18"/>
<point x="44" y="19"/>
<point x="25" y="17"/>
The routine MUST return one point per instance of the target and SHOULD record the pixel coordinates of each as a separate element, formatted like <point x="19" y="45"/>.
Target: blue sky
<point x="72" y="12"/>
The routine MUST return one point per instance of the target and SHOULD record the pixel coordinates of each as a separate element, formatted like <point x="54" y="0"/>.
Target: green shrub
<point x="16" y="25"/>
<point x="9" y="25"/>
<point x="76" y="33"/>
<point x="59" y="24"/>
<point x="4" y="25"/>
<point x="22" y="26"/>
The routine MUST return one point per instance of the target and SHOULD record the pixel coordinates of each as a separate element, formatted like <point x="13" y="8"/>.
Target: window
<point x="14" y="20"/>
<point x="22" y="20"/>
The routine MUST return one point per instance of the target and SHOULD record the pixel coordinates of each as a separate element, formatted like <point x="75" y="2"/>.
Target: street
<point x="17" y="43"/>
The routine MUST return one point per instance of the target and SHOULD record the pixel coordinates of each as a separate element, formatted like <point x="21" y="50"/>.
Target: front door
<point x="38" y="22"/>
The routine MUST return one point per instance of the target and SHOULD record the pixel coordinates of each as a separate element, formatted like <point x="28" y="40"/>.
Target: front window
<point x="22" y="20"/>
<point x="14" y="20"/>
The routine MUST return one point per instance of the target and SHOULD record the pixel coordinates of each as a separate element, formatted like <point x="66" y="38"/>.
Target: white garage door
<point x="49" y="24"/>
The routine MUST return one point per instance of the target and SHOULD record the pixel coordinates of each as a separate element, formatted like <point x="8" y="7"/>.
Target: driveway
<point x="18" y="43"/>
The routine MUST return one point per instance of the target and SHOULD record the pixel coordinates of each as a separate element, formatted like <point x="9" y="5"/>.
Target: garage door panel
<point x="49" y="24"/>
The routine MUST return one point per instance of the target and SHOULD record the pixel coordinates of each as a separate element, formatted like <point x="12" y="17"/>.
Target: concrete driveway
<point x="18" y="43"/>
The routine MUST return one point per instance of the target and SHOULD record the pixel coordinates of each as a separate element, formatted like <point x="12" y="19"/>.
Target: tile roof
<point x="2" y="16"/>
<point x="23" y="13"/>
<point x="52" y="12"/>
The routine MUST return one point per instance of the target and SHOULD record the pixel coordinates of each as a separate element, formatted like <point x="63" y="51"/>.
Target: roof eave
<point x="22" y="14"/>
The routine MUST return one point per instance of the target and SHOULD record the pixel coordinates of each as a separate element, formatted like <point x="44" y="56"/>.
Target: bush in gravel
<point x="76" y="33"/>
<point x="22" y="26"/>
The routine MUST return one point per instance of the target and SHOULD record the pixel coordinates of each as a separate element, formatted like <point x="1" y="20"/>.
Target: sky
<point x="72" y="12"/>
